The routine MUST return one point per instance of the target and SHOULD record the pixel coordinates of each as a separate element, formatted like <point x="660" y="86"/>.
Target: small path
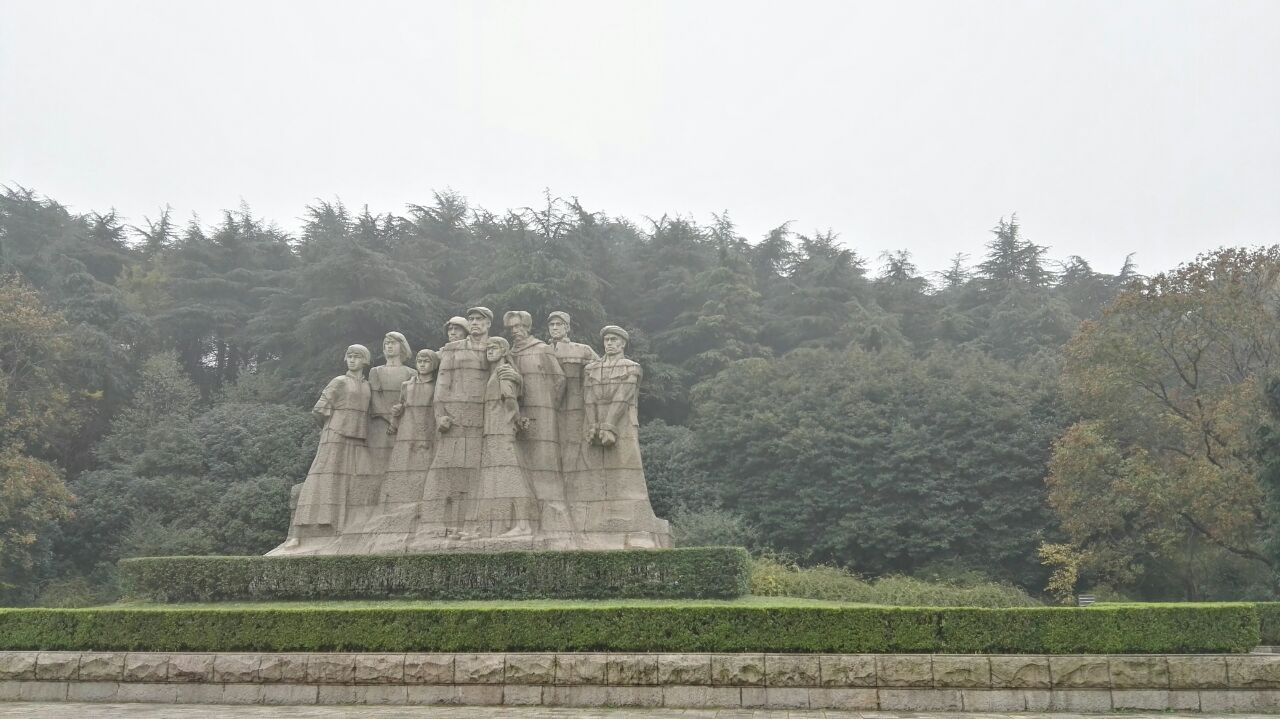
<point x="67" y="710"/>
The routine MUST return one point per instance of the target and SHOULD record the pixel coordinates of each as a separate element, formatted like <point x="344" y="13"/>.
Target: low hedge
<point x="1269" y="617"/>
<point x="692" y="573"/>
<point x="638" y="628"/>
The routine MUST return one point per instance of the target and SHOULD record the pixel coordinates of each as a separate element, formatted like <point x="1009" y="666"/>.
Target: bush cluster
<point x="1269" y="619"/>
<point x="688" y="627"/>
<point x="693" y="573"/>
<point x="775" y="578"/>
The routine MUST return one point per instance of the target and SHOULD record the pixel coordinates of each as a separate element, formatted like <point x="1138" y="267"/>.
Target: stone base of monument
<point x="867" y="682"/>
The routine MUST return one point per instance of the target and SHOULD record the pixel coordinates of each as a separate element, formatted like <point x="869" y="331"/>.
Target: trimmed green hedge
<point x="1269" y="616"/>
<point x="692" y="573"/>
<point x="658" y="628"/>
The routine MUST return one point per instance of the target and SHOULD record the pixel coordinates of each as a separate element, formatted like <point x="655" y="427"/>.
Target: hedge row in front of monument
<point x="1269" y="616"/>
<point x="691" y="573"/>
<point x="676" y="627"/>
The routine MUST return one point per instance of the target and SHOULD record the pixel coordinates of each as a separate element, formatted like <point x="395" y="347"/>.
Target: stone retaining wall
<point x="890" y="682"/>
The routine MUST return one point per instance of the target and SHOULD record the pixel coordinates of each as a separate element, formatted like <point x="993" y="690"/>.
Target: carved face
<point x="517" y="329"/>
<point x="613" y="345"/>
<point x="557" y="328"/>
<point x="478" y="324"/>
<point x="426" y="365"/>
<point x="456" y="333"/>
<point x="355" y="360"/>
<point x="390" y="348"/>
<point x="493" y="353"/>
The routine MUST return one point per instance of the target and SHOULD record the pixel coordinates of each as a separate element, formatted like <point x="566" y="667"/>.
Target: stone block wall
<point x="889" y="682"/>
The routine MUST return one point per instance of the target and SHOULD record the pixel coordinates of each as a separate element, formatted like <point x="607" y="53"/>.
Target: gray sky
<point x="1109" y="127"/>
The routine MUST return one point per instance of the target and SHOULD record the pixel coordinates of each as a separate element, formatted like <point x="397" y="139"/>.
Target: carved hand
<point x="445" y="424"/>
<point x="397" y="409"/>
<point x="608" y="438"/>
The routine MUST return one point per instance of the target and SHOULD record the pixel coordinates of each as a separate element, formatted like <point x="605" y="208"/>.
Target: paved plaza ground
<point x="66" y="710"/>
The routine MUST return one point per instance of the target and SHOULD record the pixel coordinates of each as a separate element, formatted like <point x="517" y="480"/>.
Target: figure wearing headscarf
<point x="539" y="444"/>
<point x="573" y="357"/>
<point x="341" y="457"/>
<point x="618" y="514"/>
<point x="503" y="507"/>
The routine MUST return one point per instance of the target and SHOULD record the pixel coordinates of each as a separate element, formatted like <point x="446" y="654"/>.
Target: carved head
<point x="614" y="339"/>
<point x="478" y="321"/>
<point x="456" y="328"/>
<point x="428" y="361"/>
<point x="558" y="326"/>
<point x="358" y="358"/>
<point x="519" y="323"/>
<point x="495" y="349"/>
<point x="395" y="346"/>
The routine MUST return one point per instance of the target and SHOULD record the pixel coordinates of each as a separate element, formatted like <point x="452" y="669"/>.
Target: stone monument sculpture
<point x="539" y="446"/>
<point x="573" y="357"/>
<point x="489" y="445"/>
<point x="342" y="456"/>
<point x="615" y="500"/>
<point x="504" y="510"/>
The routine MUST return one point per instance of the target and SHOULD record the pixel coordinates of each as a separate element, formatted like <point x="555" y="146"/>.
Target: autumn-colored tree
<point x="1162" y="470"/>
<point x="33" y="407"/>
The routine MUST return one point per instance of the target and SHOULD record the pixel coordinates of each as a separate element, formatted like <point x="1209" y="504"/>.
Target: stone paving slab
<point x="65" y="710"/>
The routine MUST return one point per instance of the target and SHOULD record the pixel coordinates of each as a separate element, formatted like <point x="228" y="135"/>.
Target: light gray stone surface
<point x="409" y="463"/>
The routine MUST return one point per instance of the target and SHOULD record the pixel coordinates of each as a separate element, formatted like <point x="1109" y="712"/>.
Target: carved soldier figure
<point x="539" y="445"/>
<point x="341" y="457"/>
<point x="455" y="329"/>
<point x="573" y="356"/>
<point x="616" y="504"/>
<point x="459" y="414"/>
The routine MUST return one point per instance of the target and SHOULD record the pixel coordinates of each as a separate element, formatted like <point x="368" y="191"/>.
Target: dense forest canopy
<point x="1036" y="421"/>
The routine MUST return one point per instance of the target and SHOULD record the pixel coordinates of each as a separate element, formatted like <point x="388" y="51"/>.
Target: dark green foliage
<point x="883" y="462"/>
<point x="692" y="627"/>
<point x="706" y="572"/>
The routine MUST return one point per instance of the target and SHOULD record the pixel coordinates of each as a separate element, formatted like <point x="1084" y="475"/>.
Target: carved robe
<point x="573" y="357"/>
<point x="455" y="464"/>
<point x="615" y="507"/>
<point x="415" y="433"/>
<point x="504" y="502"/>
<point x="341" y="457"/>
<point x="539" y="444"/>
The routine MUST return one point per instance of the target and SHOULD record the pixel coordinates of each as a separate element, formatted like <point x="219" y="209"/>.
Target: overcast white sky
<point x="1109" y="127"/>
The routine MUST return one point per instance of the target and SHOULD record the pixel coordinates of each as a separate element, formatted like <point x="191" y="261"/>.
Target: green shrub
<point x="705" y="572"/>
<point x="663" y="627"/>
<point x="1269" y="618"/>
<point x="773" y="577"/>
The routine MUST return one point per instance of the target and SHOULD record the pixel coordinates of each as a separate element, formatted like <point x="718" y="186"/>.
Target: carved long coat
<point x="415" y="429"/>
<point x="539" y="445"/>
<point x="504" y="500"/>
<point x="455" y="464"/>
<point x="341" y="458"/>
<point x="619" y="504"/>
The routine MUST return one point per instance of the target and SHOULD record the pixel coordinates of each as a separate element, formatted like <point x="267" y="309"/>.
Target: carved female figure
<point x="414" y="423"/>
<point x="384" y="382"/>
<point x="504" y="505"/>
<point x="341" y="457"/>
<point x="618" y="514"/>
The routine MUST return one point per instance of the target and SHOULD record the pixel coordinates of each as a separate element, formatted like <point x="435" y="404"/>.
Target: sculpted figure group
<point x="486" y="445"/>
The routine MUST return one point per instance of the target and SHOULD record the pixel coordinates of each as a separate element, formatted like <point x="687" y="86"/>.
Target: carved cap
<point x="562" y="316"/>
<point x="481" y="310"/>
<point x="615" y="330"/>
<point x="459" y="321"/>
<point x="521" y="316"/>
